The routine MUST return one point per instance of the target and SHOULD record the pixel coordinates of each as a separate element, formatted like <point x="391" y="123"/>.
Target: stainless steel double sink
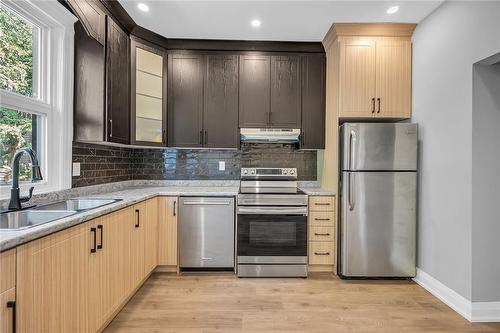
<point x="31" y="217"/>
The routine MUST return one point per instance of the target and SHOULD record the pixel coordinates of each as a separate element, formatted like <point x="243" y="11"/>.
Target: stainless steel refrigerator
<point x="378" y="206"/>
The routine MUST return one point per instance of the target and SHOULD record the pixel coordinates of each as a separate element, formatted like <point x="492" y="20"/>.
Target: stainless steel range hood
<point x="270" y="135"/>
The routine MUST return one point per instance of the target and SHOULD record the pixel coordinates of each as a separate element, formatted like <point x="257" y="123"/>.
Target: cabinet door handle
<point x="322" y="253"/>
<point x="12" y="305"/>
<point x="100" y="227"/>
<point x="206" y="137"/>
<point x="137" y="218"/>
<point x="201" y="138"/>
<point x="94" y="246"/>
<point x="111" y="128"/>
<point x="378" y="100"/>
<point x="321" y="234"/>
<point x="320" y="219"/>
<point x="164" y="138"/>
<point x="373" y="105"/>
<point x="303" y="137"/>
<point x="174" y="210"/>
<point x="322" y="203"/>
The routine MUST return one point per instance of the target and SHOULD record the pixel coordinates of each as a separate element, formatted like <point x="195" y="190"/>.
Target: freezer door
<point x="378" y="224"/>
<point x="378" y="146"/>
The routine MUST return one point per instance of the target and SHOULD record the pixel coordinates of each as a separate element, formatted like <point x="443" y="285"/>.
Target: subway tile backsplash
<point x="106" y="164"/>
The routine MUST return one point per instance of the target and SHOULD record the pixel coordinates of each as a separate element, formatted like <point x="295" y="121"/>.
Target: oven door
<point x="269" y="235"/>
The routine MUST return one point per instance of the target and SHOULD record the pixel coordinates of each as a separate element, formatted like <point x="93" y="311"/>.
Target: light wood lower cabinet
<point x="77" y="279"/>
<point x="151" y="235"/>
<point x="7" y="291"/>
<point x="167" y="231"/>
<point x="322" y="233"/>
<point x="53" y="282"/>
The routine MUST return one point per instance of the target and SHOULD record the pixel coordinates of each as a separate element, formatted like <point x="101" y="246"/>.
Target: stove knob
<point x="292" y="172"/>
<point x="252" y="172"/>
<point x="245" y="172"/>
<point x="285" y="172"/>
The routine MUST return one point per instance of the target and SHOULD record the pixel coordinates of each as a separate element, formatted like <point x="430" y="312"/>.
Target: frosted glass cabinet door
<point x="148" y="86"/>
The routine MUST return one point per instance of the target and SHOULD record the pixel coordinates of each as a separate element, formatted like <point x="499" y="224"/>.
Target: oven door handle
<point x="302" y="211"/>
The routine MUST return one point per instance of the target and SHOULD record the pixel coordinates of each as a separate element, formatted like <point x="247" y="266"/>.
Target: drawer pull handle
<point x="322" y="234"/>
<point x="12" y="305"/>
<point x="322" y="203"/>
<point x="320" y="219"/>
<point x="322" y="253"/>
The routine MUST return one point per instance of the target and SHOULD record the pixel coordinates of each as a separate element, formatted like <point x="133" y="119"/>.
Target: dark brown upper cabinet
<point x="117" y="83"/>
<point x="91" y="16"/>
<point x="254" y="91"/>
<point x="148" y="94"/>
<point x="220" y="111"/>
<point x="285" y="92"/>
<point x="313" y="102"/>
<point x="185" y="100"/>
<point x="269" y="93"/>
<point x="89" y="107"/>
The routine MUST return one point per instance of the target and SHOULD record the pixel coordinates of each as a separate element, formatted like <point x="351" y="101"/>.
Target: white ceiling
<point x="281" y="20"/>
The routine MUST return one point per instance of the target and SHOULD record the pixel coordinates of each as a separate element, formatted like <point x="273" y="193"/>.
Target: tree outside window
<point x="17" y="129"/>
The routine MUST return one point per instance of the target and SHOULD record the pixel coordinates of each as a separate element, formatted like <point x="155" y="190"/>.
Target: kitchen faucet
<point x="36" y="175"/>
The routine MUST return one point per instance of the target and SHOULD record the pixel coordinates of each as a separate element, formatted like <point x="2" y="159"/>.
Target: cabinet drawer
<point x="7" y="270"/>
<point x="322" y="204"/>
<point x="321" y="219"/>
<point x="322" y="234"/>
<point x="321" y="253"/>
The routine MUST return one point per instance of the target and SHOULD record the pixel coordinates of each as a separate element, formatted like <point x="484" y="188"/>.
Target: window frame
<point x="54" y="100"/>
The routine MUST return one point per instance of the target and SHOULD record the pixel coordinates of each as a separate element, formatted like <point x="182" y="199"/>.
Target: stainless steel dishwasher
<point x="206" y="233"/>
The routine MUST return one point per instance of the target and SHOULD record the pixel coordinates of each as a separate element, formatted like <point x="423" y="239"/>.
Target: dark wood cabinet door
<point x="220" y="112"/>
<point x="185" y="100"/>
<point x="254" y="90"/>
<point x="89" y="121"/>
<point x="285" y="92"/>
<point x="91" y="16"/>
<point x="313" y="102"/>
<point x="117" y="83"/>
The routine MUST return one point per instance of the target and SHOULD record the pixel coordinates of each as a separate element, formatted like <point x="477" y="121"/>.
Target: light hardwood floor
<point x="321" y="303"/>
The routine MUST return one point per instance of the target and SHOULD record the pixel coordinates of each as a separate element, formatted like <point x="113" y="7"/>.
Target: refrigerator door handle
<point x="349" y="192"/>
<point x="352" y="140"/>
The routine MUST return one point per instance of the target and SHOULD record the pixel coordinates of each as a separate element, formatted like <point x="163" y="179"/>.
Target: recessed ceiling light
<point x="143" y="7"/>
<point x="392" y="9"/>
<point x="255" y="23"/>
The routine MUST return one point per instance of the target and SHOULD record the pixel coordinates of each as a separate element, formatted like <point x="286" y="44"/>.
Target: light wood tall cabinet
<point x="167" y="231"/>
<point x="7" y="291"/>
<point x="374" y="69"/>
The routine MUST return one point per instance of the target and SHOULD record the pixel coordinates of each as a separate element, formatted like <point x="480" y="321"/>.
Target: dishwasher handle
<point x="207" y="202"/>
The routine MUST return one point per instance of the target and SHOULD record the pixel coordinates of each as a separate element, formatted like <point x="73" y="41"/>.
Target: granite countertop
<point x="316" y="191"/>
<point x="129" y="196"/>
<point x="129" y="192"/>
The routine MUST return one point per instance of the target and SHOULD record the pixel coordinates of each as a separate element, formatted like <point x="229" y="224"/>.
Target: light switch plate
<point x="222" y="165"/>
<point x="76" y="169"/>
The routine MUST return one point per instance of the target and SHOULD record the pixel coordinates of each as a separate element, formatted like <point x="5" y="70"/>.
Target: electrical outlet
<point x="222" y="165"/>
<point x="76" y="169"/>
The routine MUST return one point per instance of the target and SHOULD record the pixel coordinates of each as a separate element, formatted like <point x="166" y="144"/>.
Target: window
<point x="36" y="79"/>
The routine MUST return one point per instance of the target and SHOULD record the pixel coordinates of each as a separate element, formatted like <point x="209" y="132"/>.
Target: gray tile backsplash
<point x="106" y="164"/>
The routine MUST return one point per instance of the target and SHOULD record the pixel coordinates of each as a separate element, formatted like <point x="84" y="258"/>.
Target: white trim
<point x="472" y="311"/>
<point x="487" y="312"/>
<point x="55" y="102"/>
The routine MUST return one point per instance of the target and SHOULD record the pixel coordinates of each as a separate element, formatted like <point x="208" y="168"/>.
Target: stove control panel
<point x="273" y="173"/>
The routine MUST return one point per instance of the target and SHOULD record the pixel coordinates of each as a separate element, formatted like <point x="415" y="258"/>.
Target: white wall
<point x="486" y="183"/>
<point x="446" y="45"/>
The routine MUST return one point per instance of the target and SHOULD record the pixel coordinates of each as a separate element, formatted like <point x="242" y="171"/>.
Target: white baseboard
<point x="472" y="311"/>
